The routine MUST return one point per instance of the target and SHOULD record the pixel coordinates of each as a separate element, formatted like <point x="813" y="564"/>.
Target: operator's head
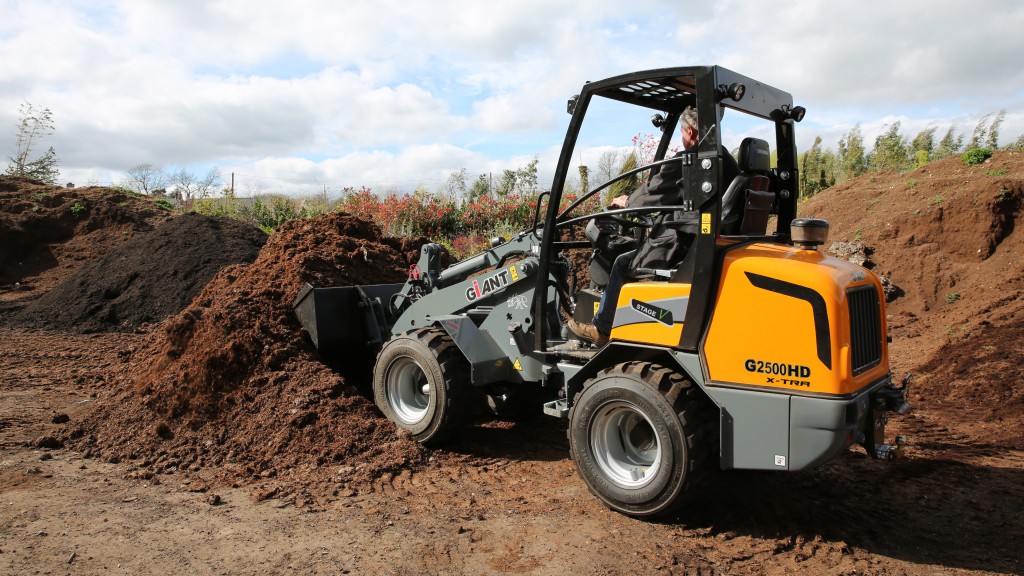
<point x="688" y="126"/>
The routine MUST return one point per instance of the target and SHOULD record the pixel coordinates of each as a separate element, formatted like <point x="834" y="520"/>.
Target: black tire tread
<point x="455" y="377"/>
<point x="697" y="416"/>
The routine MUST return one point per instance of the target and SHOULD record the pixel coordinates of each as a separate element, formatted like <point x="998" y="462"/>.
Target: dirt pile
<point x="984" y="377"/>
<point x="145" y="279"/>
<point x="46" y="232"/>
<point x="949" y="238"/>
<point x="232" y="382"/>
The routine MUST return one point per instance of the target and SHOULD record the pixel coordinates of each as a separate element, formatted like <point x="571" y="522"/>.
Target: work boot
<point x="588" y="332"/>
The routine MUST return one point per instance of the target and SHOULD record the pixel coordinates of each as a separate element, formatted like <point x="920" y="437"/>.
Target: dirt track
<point x="215" y="497"/>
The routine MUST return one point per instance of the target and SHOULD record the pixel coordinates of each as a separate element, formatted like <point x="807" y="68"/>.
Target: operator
<point x="665" y="247"/>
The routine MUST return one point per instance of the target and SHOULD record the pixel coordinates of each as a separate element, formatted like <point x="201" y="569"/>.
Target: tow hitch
<point x="887" y="399"/>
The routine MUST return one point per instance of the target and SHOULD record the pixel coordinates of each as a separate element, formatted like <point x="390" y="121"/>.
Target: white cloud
<point x="405" y="92"/>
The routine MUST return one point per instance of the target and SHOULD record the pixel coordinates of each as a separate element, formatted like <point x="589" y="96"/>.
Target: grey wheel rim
<point x="408" y="391"/>
<point x="625" y="444"/>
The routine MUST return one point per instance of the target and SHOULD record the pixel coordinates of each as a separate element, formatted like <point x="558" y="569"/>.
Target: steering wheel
<point x="643" y="220"/>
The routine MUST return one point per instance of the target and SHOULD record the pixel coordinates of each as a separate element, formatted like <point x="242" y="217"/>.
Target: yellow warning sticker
<point x="518" y="365"/>
<point x="514" y="273"/>
<point x="596" y="306"/>
<point x="705" y="223"/>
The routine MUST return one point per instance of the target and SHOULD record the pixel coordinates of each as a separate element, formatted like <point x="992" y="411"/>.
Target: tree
<point x="978" y="137"/>
<point x="829" y="169"/>
<point x="35" y="125"/>
<point x="1018" y="144"/>
<point x="810" y="170"/>
<point x="188" y="187"/>
<point x="507" y="183"/>
<point x="852" y="159"/>
<point x="521" y="180"/>
<point x="607" y="166"/>
<point x="950" y="145"/>
<point x="628" y="184"/>
<point x="456" y="183"/>
<point x="923" y="146"/>
<point x="145" y="178"/>
<point x="481" y="187"/>
<point x="891" y="151"/>
<point x="992" y="140"/>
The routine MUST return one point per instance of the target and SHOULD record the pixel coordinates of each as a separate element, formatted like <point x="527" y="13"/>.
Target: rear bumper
<point x="772" y="431"/>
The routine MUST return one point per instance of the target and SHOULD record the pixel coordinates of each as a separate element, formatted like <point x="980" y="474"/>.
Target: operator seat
<point x="747" y="202"/>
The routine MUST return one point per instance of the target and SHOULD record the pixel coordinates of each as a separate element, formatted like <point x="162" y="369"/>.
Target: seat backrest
<point x="747" y="201"/>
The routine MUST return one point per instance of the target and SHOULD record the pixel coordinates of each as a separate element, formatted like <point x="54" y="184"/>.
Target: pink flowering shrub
<point x="466" y="225"/>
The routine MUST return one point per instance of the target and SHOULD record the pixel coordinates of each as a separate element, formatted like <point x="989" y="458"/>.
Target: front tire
<point x="642" y="437"/>
<point x="419" y="383"/>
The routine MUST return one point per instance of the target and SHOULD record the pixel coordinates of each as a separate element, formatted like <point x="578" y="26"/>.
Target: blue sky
<point x="392" y="95"/>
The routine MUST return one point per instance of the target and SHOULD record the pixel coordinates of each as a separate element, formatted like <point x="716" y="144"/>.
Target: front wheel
<point x="642" y="437"/>
<point x="419" y="383"/>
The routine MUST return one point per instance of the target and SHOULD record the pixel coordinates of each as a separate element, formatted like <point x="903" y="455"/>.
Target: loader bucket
<point x="352" y="319"/>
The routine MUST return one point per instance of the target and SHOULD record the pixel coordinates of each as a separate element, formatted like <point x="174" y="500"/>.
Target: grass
<point x="164" y="204"/>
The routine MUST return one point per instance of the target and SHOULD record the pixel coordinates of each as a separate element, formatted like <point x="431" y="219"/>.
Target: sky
<point x="308" y="95"/>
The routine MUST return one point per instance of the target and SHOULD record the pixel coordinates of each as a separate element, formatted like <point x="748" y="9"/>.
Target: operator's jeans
<point x="618" y="276"/>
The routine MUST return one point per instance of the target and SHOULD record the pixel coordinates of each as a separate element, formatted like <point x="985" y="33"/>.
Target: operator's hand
<point x="620" y="201"/>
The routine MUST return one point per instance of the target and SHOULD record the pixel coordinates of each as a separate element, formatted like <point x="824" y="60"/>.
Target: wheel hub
<point x="625" y="444"/>
<point x="408" y="391"/>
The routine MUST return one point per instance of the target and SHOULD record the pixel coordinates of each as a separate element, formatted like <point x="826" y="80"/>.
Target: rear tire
<point x="419" y="383"/>
<point x="643" y="437"/>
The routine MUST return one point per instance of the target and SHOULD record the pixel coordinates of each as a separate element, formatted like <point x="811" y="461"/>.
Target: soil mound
<point x="233" y="382"/>
<point x="948" y="239"/>
<point x="151" y="276"/>
<point x="46" y="232"/>
<point x="983" y="377"/>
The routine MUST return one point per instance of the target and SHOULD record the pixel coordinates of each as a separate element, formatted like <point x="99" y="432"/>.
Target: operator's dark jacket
<point x="665" y="247"/>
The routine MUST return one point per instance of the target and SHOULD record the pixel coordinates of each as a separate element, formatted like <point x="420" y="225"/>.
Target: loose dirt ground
<point x="191" y="446"/>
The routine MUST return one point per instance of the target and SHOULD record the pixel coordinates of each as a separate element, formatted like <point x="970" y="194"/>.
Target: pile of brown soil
<point x="147" y="278"/>
<point x="47" y="232"/>
<point x="949" y="237"/>
<point x="982" y="380"/>
<point x="233" y="382"/>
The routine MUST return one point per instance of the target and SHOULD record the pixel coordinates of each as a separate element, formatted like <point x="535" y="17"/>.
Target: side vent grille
<point x="865" y="328"/>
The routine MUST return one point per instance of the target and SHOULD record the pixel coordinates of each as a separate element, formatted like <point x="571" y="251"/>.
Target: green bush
<point x="976" y="156"/>
<point x="164" y="204"/>
<point x="77" y="209"/>
<point x="126" y="191"/>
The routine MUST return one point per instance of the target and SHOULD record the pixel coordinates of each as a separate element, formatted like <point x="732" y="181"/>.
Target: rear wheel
<point x="419" y="383"/>
<point x="642" y="437"/>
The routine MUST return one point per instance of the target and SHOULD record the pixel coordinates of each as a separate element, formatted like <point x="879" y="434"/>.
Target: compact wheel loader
<point x="756" y="351"/>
